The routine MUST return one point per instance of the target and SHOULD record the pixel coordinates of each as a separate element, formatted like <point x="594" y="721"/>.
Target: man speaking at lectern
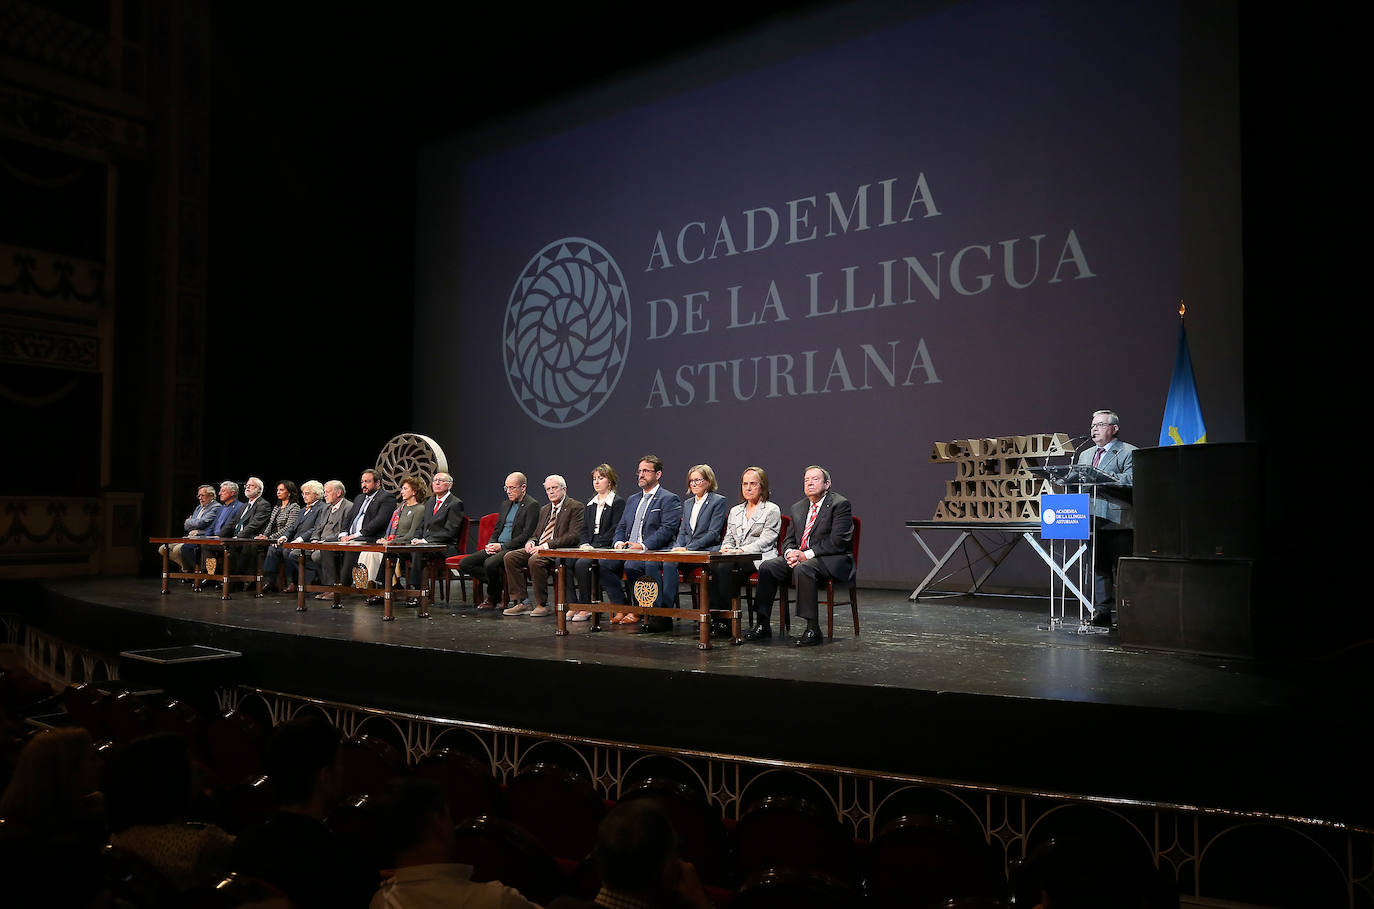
<point x="1109" y="455"/>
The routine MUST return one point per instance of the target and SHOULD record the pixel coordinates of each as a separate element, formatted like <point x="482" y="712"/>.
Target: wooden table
<point x="224" y="577"/>
<point x="390" y="553"/>
<point x="702" y="614"/>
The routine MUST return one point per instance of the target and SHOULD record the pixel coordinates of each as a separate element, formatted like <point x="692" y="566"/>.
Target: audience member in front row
<point x="819" y="545"/>
<point x="515" y="521"/>
<point x="201" y="519"/>
<point x="651" y="521"/>
<point x="753" y="526"/>
<point x="558" y="527"/>
<point x="149" y="802"/>
<point x="295" y="850"/>
<point x="443" y="522"/>
<point x="366" y="523"/>
<point x="599" y="521"/>
<point x="332" y="524"/>
<point x="413" y="820"/>
<point x="300" y="530"/>
<point x="54" y="829"/>
<point x="251" y="521"/>
<point x="636" y="856"/>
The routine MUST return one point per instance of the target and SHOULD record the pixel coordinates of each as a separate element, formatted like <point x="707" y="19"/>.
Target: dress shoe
<point x="290" y="588"/>
<point x="485" y="605"/>
<point x="413" y="603"/>
<point x="811" y="637"/>
<point x="759" y="632"/>
<point x="579" y="617"/>
<point x="518" y="609"/>
<point x="720" y="629"/>
<point x="655" y="625"/>
<point x="1102" y="618"/>
<point x="375" y="601"/>
<point x="540" y="611"/>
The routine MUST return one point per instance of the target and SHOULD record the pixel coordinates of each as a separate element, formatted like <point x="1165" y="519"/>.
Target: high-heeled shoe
<point x="618" y="618"/>
<point x="629" y="619"/>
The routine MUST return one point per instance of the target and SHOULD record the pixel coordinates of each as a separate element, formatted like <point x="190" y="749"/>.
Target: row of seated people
<point x="817" y="545"/>
<point x="322" y="512"/>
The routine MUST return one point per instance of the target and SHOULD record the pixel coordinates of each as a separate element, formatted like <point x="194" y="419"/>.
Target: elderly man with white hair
<point x="251" y="522"/>
<point x="559" y="526"/>
<point x="197" y="523"/>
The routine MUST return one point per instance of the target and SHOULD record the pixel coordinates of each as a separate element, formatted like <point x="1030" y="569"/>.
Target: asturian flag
<point x="1182" y="411"/>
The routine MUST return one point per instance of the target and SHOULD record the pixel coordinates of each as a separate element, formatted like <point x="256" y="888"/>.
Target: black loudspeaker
<point x="1199" y="501"/>
<point x="1188" y="605"/>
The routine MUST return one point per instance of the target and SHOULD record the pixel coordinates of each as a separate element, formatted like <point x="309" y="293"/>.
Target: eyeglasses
<point x="1096" y="425"/>
<point x="511" y="488"/>
<point x="695" y="480"/>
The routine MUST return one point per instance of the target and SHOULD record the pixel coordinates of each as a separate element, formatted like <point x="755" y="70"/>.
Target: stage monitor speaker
<point x="1199" y="501"/>
<point x="1187" y="605"/>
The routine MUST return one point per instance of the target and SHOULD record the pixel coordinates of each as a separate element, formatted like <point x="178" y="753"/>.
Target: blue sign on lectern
<point x="1065" y="517"/>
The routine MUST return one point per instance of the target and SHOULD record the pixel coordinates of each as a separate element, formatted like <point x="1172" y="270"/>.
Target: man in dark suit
<point x="819" y="545"/>
<point x="651" y="521"/>
<point x="250" y="522"/>
<point x="367" y="519"/>
<point x="443" y="521"/>
<point x="515" y="522"/>
<point x="332" y="524"/>
<point x="559" y="526"/>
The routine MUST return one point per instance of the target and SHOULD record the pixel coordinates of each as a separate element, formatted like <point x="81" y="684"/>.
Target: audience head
<point x="55" y="773"/>
<point x="555" y="487"/>
<point x="412" y="819"/>
<point x="206" y="494"/>
<point x="636" y="848"/>
<point x="443" y="482"/>
<point x="149" y="782"/>
<point x="253" y="488"/>
<point x="417" y="486"/>
<point x="370" y="481"/>
<point x="515" y="486"/>
<point x="815" y="482"/>
<point x="228" y="491"/>
<point x="333" y="491"/>
<point x="707" y="477"/>
<point x="650" y="471"/>
<point x="303" y="760"/>
<point x="312" y="491"/>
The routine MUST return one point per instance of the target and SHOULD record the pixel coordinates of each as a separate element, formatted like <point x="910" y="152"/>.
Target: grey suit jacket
<point x="1114" y="502"/>
<point x="331" y="525"/>
<point x="754" y="534"/>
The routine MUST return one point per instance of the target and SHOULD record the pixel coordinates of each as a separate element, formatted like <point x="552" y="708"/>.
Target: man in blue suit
<point x="230" y="509"/>
<point x="651" y="521"/>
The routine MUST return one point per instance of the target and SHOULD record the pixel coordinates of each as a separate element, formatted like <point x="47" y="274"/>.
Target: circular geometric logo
<point x="567" y="332"/>
<point x="1048" y="516"/>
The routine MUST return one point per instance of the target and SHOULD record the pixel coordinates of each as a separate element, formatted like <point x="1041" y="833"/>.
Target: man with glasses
<point x="443" y="518"/>
<point x="516" y="519"/>
<point x="559" y="526"/>
<point x="651" y="521"/>
<point x="201" y="519"/>
<point x="1113" y="512"/>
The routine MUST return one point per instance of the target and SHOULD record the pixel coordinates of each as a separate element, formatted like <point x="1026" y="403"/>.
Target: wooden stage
<point x="954" y="689"/>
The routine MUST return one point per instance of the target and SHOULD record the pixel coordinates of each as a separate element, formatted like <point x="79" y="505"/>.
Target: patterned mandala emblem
<point x="567" y="332"/>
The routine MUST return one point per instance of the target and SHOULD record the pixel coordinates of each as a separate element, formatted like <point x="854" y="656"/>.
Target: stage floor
<point x="964" y="689"/>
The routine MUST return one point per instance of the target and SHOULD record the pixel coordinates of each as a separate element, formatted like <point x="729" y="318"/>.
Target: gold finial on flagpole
<point x="1181" y="307"/>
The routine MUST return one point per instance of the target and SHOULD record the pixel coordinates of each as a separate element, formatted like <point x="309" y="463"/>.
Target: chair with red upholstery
<point x="830" y="593"/>
<point x="485" y="527"/>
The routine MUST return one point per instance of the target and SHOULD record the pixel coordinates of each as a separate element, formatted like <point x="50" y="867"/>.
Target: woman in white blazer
<point x="753" y="526"/>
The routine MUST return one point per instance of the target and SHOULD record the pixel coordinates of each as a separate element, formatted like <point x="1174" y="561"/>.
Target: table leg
<point x="736" y="633"/>
<point x="704" y="606"/>
<point x="224" y="573"/>
<point x="427" y="579"/>
<point x="301" y="556"/>
<point x="386" y="588"/>
<point x="261" y="553"/>
<point x="560" y="602"/>
<point x="165" y="547"/>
